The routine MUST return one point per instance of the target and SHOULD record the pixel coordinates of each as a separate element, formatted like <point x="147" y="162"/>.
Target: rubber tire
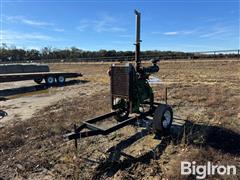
<point x="60" y="79"/>
<point x="50" y="80"/>
<point x="124" y="115"/>
<point x="38" y="80"/>
<point x="158" y="118"/>
<point x="120" y="117"/>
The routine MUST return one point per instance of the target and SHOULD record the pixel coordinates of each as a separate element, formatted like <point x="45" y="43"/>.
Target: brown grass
<point x="205" y="93"/>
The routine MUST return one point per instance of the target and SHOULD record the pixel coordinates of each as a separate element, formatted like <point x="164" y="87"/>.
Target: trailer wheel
<point x="122" y="116"/>
<point x="121" y="106"/>
<point x="162" y="119"/>
<point x="50" y="80"/>
<point x="38" y="80"/>
<point x="60" y="79"/>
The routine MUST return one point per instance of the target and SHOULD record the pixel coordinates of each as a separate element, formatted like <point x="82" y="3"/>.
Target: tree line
<point x="8" y="54"/>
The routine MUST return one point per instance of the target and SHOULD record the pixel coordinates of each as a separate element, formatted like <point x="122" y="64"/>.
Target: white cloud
<point x="189" y="32"/>
<point x="125" y="35"/>
<point x="33" y="23"/>
<point x="121" y="42"/>
<point x="59" y="30"/>
<point x="104" y="24"/>
<point x="171" y="33"/>
<point x="13" y="37"/>
<point x="200" y="31"/>
<point x="214" y="33"/>
<point x="184" y="32"/>
<point x="84" y="24"/>
<point x="26" y="21"/>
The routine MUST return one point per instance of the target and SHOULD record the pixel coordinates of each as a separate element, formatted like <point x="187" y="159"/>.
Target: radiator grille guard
<point x="122" y="80"/>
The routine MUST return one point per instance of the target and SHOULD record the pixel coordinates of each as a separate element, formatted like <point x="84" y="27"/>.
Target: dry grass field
<point x="204" y="94"/>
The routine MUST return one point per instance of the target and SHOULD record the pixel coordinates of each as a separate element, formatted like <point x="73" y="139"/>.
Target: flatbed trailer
<point x="49" y="77"/>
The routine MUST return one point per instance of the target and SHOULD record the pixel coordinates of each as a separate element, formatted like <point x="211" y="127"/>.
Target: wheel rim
<point x="61" y="79"/>
<point x="123" y="113"/>
<point x="123" y="109"/>
<point x="167" y="119"/>
<point x="50" y="80"/>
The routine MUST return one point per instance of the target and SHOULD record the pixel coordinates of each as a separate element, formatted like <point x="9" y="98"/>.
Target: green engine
<point x="130" y="89"/>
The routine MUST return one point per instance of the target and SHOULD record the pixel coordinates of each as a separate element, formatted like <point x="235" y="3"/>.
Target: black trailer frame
<point x="93" y="129"/>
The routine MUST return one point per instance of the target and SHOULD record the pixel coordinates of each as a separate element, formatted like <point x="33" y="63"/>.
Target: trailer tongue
<point x="132" y="98"/>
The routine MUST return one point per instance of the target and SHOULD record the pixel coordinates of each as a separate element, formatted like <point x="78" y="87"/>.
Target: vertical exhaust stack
<point x="137" y="44"/>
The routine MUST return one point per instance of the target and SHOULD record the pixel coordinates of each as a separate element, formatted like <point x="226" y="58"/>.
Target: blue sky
<point x="182" y="25"/>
